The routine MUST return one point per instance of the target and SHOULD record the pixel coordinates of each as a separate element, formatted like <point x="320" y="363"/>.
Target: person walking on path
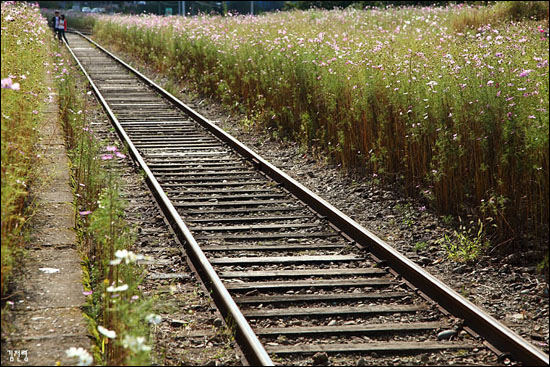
<point x="55" y="23"/>
<point x="62" y="27"/>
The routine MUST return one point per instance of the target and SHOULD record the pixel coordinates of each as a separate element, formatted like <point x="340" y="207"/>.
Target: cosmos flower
<point x="127" y="256"/>
<point x="135" y="344"/>
<point x="111" y="334"/>
<point x="153" y="318"/>
<point x="8" y="83"/>
<point x="120" y="288"/>
<point x="525" y="73"/>
<point x="84" y="358"/>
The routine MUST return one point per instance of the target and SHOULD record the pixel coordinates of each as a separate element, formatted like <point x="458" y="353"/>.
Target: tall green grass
<point x="475" y="17"/>
<point x="459" y="117"/>
<point x="26" y="60"/>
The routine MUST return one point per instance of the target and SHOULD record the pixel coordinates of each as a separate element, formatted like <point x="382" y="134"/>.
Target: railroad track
<point x="293" y="275"/>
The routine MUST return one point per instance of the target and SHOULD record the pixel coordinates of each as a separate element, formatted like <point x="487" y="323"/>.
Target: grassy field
<point x="25" y="64"/>
<point x="453" y="107"/>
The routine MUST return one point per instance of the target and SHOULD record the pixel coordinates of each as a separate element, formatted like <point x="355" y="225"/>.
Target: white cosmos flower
<point x="115" y="261"/>
<point x="127" y="256"/>
<point x="135" y="344"/>
<point x="120" y="288"/>
<point x="84" y="358"/>
<point x="121" y="254"/>
<point x="111" y="334"/>
<point x="153" y="319"/>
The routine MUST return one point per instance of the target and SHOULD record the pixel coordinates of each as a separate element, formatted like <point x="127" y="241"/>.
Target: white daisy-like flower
<point x="115" y="261"/>
<point x="127" y="256"/>
<point x="84" y="358"/>
<point x="135" y="344"/>
<point x="153" y="319"/>
<point x="111" y="334"/>
<point x="120" y="288"/>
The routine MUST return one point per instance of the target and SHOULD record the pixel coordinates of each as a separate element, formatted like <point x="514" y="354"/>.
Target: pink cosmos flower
<point x="111" y="148"/>
<point x="87" y="293"/>
<point x="524" y="73"/>
<point x="7" y="83"/>
<point x="120" y="155"/>
<point x="85" y="212"/>
<point x="106" y="157"/>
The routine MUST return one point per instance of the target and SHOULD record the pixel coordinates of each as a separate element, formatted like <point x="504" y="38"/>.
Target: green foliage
<point x="420" y="246"/>
<point x="521" y="10"/>
<point x="501" y="11"/>
<point x="25" y="62"/>
<point x="80" y="22"/>
<point x="447" y="219"/>
<point x="466" y="244"/>
<point x="544" y="265"/>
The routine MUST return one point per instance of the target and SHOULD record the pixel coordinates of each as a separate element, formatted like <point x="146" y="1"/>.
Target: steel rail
<point x="495" y="333"/>
<point x="253" y="350"/>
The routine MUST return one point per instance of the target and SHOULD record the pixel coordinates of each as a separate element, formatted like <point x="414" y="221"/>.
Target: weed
<point x="466" y="244"/>
<point x="409" y="222"/>
<point x="420" y="246"/>
<point x="408" y="214"/>
<point x="543" y="266"/>
<point x="447" y="219"/>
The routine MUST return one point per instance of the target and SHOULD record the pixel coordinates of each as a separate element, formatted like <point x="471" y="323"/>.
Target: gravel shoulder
<point x="508" y="289"/>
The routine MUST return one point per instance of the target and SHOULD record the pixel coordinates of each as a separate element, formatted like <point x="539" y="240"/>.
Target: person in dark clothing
<point x="55" y="22"/>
